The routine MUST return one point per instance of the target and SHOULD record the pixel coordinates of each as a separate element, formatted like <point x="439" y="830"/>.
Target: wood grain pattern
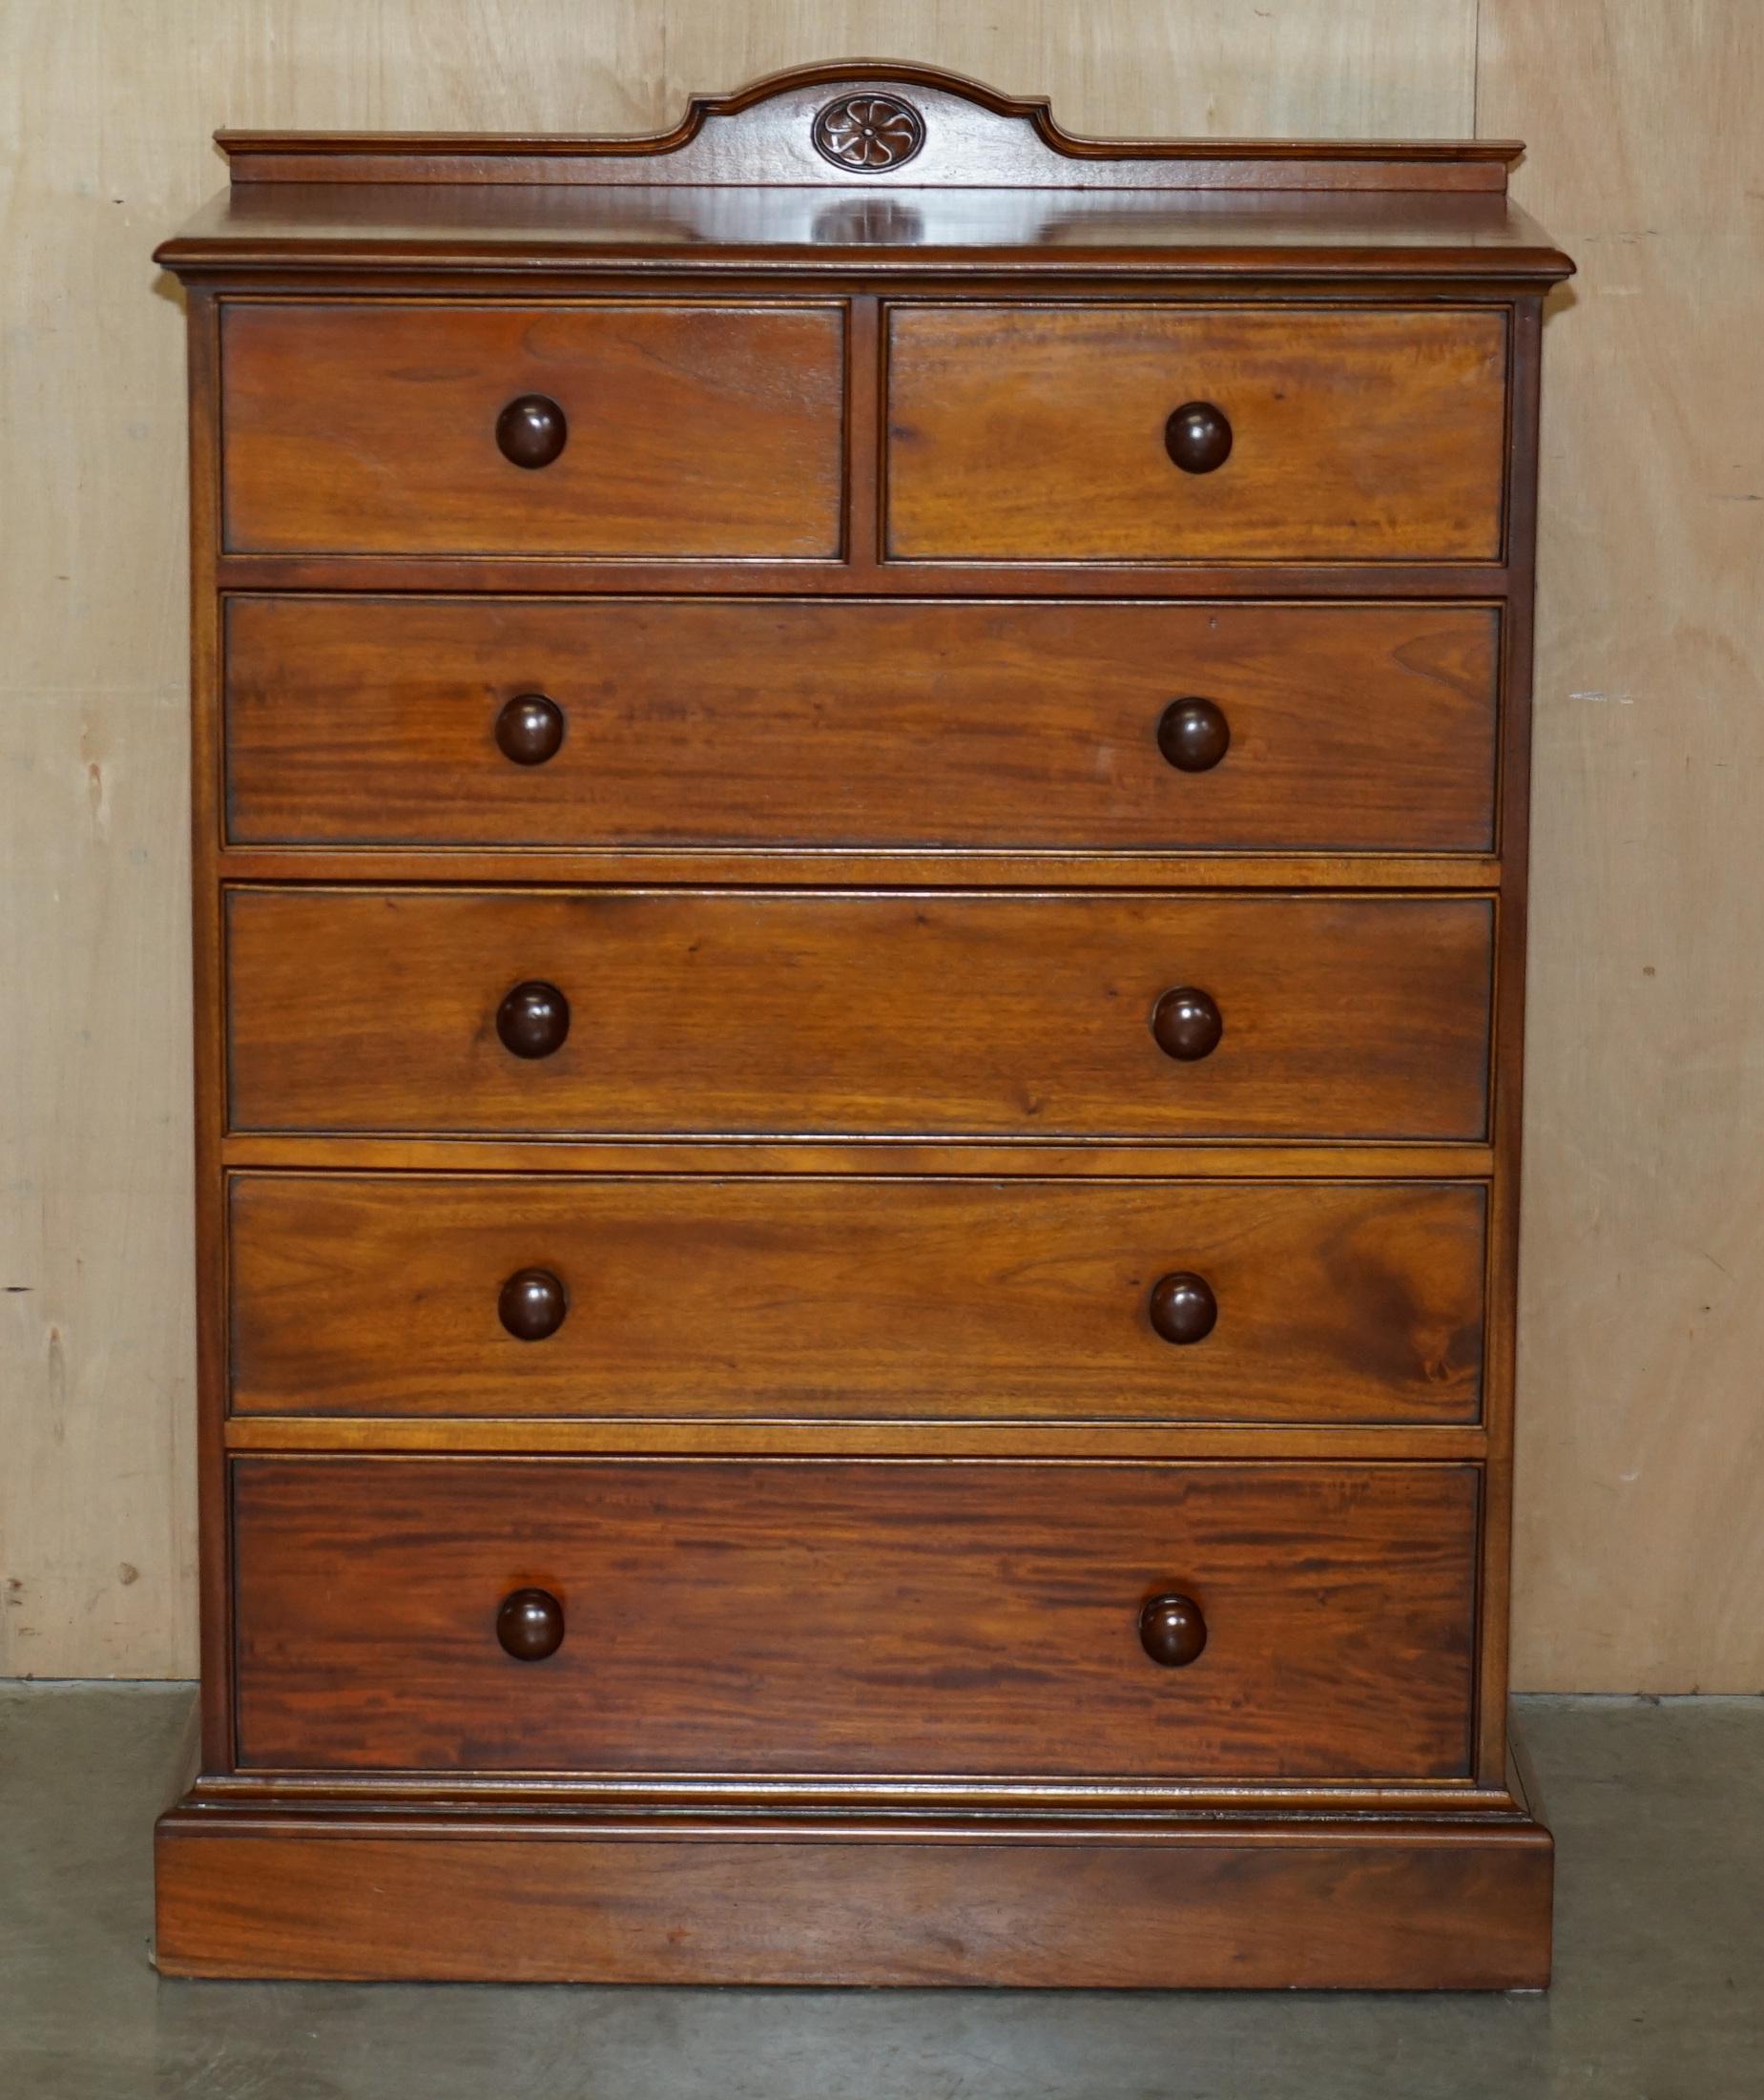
<point x="880" y="1618"/>
<point x="873" y="1617"/>
<point x="1078" y="1160"/>
<point x="109" y="149"/>
<point x="1037" y="433"/>
<point x="950" y="1015"/>
<point x="709" y="1436"/>
<point x="268" y="234"/>
<point x="831" y="1299"/>
<point x="690" y="723"/>
<point x="1634" y="843"/>
<point x="1641" y="1462"/>
<point x="693" y="431"/>
<point x="1207" y="1904"/>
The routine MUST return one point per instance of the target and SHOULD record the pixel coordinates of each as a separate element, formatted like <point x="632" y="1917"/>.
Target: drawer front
<point x="1041" y="433"/>
<point x="946" y="1014"/>
<point x="687" y="431"/>
<point x="703" y="723"/>
<point x="888" y="1617"/>
<point x="836" y="1298"/>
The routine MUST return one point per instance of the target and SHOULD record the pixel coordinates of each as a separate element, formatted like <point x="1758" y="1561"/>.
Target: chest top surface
<point x="871" y="166"/>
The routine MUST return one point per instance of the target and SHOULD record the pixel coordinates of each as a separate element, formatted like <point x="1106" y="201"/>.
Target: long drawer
<point x="683" y="431"/>
<point x="636" y="722"/>
<point x="932" y="1300"/>
<point x="871" y="1618"/>
<point x="1053" y="433"/>
<point x="948" y="1015"/>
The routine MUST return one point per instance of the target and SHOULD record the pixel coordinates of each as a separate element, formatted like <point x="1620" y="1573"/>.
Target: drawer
<point x="1040" y="433"/>
<point x="1166" y="1301"/>
<point x="627" y="722"/>
<point x="776" y="1012"/>
<point x="876" y="1618"/>
<point x="687" y="431"/>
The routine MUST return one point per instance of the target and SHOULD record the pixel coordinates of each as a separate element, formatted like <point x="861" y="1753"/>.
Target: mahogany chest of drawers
<point x="860" y="811"/>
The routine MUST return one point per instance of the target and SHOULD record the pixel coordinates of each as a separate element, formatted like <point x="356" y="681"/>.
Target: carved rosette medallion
<point x="868" y="133"/>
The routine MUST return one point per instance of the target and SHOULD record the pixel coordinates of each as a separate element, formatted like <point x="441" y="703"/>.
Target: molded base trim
<point x="1400" y="1904"/>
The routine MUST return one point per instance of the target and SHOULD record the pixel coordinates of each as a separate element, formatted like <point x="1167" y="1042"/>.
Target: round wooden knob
<point x="532" y="1305"/>
<point x="531" y="430"/>
<point x="1197" y="437"/>
<point x="533" y="1020"/>
<point x="1193" y="735"/>
<point x="1182" y="1306"/>
<point x="1186" y="1023"/>
<point x="1171" y="1631"/>
<point x="530" y="729"/>
<point x="530" y="1625"/>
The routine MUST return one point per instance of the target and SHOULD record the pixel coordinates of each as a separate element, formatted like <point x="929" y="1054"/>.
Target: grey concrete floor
<point x="1658" y="1810"/>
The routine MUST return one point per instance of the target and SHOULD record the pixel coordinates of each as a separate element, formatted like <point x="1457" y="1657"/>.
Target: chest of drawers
<point x="860" y="815"/>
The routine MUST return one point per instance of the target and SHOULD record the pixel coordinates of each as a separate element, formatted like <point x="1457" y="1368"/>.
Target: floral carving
<point x="868" y="133"/>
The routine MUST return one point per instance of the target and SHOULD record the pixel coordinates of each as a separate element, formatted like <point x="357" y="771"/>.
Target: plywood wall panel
<point x="1640" y="1523"/>
<point x="105" y="116"/>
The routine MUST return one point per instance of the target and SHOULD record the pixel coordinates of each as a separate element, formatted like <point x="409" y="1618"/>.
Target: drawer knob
<point x="1197" y="437"/>
<point x="531" y="430"/>
<point x="1182" y="1306"/>
<point x="530" y="729"/>
<point x="530" y="1625"/>
<point x="1193" y="735"/>
<point x="1186" y="1023"/>
<point x="532" y="1305"/>
<point x="1171" y="1631"/>
<point x="533" y="1020"/>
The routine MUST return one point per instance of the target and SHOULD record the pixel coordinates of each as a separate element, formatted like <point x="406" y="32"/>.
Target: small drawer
<point x="822" y="1300"/>
<point x="714" y="722"/>
<point x="664" y="431"/>
<point x="1157" y="434"/>
<point x="946" y="1014"/>
<point x="881" y="1619"/>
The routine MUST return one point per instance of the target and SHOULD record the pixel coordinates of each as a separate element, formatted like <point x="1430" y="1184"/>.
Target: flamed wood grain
<point x="1036" y="433"/>
<point x="812" y="1600"/>
<point x="821" y="1011"/>
<point x="828" y="1299"/>
<point x="1204" y="1905"/>
<point x="361" y="427"/>
<point x="875" y="1617"/>
<point x="912" y="724"/>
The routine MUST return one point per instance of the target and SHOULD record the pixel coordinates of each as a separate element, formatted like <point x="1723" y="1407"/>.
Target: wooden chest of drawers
<point x="859" y="799"/>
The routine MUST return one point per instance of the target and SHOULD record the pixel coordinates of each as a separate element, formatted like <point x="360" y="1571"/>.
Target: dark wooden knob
<point x="1197" y="437"/>
<point x="531" y="430"/>
<point x="1186" y="1023"/>
<point x="530" y="729"/>
<point x="530" y="1625"/>
<point x="533" y="1020"/>
<point x="1193" y="735"/>
<point x="1171" y="1631"/>
<point x="1182" y="1306"/>
<point x="532" y="1305"/>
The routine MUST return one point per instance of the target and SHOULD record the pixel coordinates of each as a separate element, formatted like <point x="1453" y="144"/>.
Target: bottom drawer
<point x="867" y="1619"/>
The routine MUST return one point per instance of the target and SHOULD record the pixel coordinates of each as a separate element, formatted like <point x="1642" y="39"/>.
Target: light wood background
<point x="1641" y="1522"/>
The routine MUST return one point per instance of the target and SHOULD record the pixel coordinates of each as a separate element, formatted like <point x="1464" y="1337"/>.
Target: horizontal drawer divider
<point x="1002" y="1439"/>
<point x="1108" y="1159"/>
<point x="957" y="868"/>
<point x="552" y="576"/>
